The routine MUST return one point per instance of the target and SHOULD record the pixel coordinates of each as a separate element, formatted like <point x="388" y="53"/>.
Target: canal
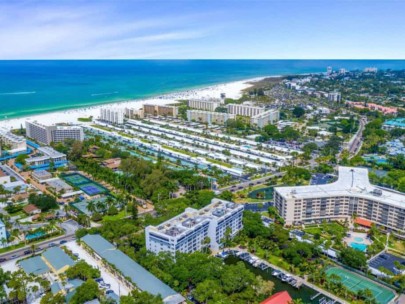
<point x="305" y="293"/>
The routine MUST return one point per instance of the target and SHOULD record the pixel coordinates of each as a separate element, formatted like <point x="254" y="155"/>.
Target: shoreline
<point x="231" y="89"/>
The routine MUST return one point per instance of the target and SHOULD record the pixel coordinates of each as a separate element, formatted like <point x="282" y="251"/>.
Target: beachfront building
<point x="194" y="229"/>
<point x="14" y="142"/>
<point x="335" y="96"/>
<point x="113" y="116"/>
<point x="209" y="117"/>
<point x="46" y="134"/>
<point x="127" y="270"/>
<point x="244" y="109"/>
<point x="160" y="110"/>
<point x="206" y="105"/>
<point x="48" y="156"/>
<point x="263" y="119"/>
<point x="352" y="194"/>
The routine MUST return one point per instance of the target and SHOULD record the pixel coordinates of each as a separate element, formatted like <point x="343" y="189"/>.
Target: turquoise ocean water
<point x="38" y="86"/>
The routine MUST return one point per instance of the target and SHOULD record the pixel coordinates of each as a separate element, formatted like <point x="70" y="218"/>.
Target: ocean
<point x="32" y="87"/>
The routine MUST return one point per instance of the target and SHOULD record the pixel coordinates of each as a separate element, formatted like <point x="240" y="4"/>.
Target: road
<point x="356" y="141"/>
<point x="252" y="182"/>
<point x="17" y="253"/>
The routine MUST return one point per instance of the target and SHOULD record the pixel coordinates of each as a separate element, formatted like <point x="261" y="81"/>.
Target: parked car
<point x="51" y="245"/>
<point x="63" y="242"/>
<point x="27" y="251"/>
<point x="2" y="260"/>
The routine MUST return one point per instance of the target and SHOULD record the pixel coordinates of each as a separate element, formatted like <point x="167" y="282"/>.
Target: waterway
<point x="305" y="293"/>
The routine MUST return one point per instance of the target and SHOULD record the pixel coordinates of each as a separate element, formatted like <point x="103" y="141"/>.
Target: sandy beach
<point x="231" y="89"/>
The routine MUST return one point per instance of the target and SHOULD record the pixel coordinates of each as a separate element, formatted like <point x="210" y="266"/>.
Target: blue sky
<point x="187" y="29"/>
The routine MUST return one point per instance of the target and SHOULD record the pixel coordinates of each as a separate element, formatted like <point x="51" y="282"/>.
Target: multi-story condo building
<point x="47" y="134"/>
<point x="334" y="97"/>
<point x="61" y="133"/>
<point x="113" y="116"/>
<point x="244" y="110"/>
<point x="351" y="195"/>
<point x="263" y="119"/>
<point x="209" y="117"/>
<point x="16" y="143"/>
<point x="194" y="229"/>
<point x="160" y="110"/>
<point x="207" y="105"/>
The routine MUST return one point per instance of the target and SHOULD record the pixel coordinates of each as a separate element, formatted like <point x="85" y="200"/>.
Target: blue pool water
<point x="358" y="246"/>
<point x="34" y="235"/>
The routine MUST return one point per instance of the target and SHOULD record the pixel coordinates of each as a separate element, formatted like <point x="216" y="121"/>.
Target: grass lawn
<point x="116" y="217"/>
<point x="313" y="230"/>
<point x="397" y="245"/>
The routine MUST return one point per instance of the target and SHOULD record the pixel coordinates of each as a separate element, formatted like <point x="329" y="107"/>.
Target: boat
<point x="276" y="273"/>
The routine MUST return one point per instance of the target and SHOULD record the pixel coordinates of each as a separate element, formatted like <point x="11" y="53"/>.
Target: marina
<point x="281" y="279"/>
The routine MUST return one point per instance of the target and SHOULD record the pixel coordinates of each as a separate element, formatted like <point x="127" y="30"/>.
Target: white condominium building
<point x="47" y="134"/>
<point x="16" y="143"/>
<point x="352" y="194"/>
<point x="206" y="105"/>
<point x="334" y="97"/>
<point x="194" y="229"/>
<point x="114" y="116"/>
<point x="244" y="110"/>
<point x="263" y="119"/>
<point x="208" y="117"/>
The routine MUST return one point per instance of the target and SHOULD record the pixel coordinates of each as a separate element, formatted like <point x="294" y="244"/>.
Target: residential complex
<point x="11" y="180"/>
<point x="352" y="194"/>
<point x="48" y="156"/>
<point x="244" y="110"/>
<point x="194" y="229"/>
<point x="114" y="116"/>
<point x="263" y="119"/>
<point x="15" y="142"/>
<point x="47" y="134"/>
<point x="160" y="110"/>
<point x="206" y="105"/>
<point x="208" y="117"/>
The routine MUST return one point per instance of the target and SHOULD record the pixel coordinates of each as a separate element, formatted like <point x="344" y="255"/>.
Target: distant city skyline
<point x="273" y="29"/>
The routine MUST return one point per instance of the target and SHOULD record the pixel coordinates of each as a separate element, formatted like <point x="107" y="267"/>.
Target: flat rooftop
<point x="352" y="181"/>
<point x="143" y="279"/>
<point x="186" y="221"/>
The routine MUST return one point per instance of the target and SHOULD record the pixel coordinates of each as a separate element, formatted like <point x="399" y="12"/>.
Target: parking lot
<point x="108" y="278"/>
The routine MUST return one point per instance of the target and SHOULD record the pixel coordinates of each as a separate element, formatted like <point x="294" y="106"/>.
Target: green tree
<point x="85" y="292"/>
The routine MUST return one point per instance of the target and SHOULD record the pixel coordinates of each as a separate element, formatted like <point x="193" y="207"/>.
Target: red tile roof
<point x="363" y="222"/>
<point x="282" y="297"/>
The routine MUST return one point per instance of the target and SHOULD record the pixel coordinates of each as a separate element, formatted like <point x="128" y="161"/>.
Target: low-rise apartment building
<point x="194" y="229"/>
<point x="351" y="195"/>
<point x="16" y="143"/>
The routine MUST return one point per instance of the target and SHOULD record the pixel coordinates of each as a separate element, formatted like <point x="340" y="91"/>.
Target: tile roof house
<point x="282" y="297"/>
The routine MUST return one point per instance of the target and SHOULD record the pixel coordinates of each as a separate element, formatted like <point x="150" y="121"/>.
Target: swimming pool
<point x="358" y="246"/>
<point x="359" y="239"/>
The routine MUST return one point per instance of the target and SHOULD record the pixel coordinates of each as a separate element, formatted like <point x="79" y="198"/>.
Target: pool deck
<point x="354" y="238"/>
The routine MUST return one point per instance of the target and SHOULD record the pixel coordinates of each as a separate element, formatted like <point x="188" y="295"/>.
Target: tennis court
<point x="356" y="282"/>
<point x="76" y="179"/>
<point x="83" y="183"/>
